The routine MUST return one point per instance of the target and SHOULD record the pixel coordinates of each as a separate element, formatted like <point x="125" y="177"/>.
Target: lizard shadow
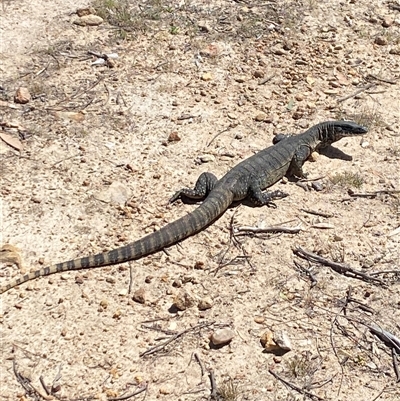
<point x="335" y="153"/>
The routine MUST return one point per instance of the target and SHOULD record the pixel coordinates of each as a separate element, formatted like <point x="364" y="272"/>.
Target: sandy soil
<point x="104" y="149"/>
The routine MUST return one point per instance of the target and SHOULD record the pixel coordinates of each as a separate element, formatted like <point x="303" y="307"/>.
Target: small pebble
<point x="240" y="79"/>
<point x="278" y="51"/>
<point x="139" y="296"/>
<point x="164" y="391"/>
<point x="260" y="117"/>
<point x="317" y="186"/>
<point x="387" y="22"/>
<point x="207" y="158"/>
<point x="22" y="95"/>
<point x="282" y="340"/>
<point x="104" y="303"/>
<point x="203" y="26"/>
<point x="267" y="341"/>
<point x="89" y="20"/>
<point x="174" y="137"/>
<point x="205" y="303"/>
<point x="367" y="264"/>
<point x="183" y="301"/>
<point x="381" y="41"/>
<point x="207" y="76"/>
<point x="222" y="336"/>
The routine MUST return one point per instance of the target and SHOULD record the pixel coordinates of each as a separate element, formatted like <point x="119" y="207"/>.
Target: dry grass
<point x="347" y="179"/>
<point x="228" y="391"/>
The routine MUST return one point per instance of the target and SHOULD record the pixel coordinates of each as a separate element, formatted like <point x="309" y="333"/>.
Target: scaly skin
<point x="246" y="180"/>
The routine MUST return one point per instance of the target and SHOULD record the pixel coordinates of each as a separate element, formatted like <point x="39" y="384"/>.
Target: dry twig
<point x="125" y="397"/>
<point x="326" y="215"/>
<point x="196" y="356"/>
<point x="296" y="388"/>
<point x="373" y="194"/>
<point x="357" y="92"/>
<point x="160" y="347"/>
<point x="272" y="229"/>
<point x="213" y="395"/>
<point x="337" y="267"/>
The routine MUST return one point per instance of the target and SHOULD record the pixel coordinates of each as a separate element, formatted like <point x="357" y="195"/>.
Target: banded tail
<point x="213" y="207"/>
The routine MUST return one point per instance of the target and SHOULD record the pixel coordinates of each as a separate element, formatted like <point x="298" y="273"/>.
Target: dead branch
<point x="196" y="356"/>
<point x="41" y="379"/>
<point x="326" y="215"/>
<point x="388" y="338"/>
<point x="373" y="194"/>
<point x="272" y="229"/>
<point x="213" y="395"/>
<point x="385" y="80"/>
<point x="357" y="92"/>
<point x="125" y="397"/>
<point x="217" y="135"/>
<point x="265" y="80"/>
<point x="294" y="387"/>
<point x="338" y="267"/>
<point x="308" y="273"/>
<point x="395" y="365"/>
<point x="162" y="346"/>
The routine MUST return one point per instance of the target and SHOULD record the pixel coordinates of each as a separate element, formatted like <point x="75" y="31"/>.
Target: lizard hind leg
<point x="204" y="185"/>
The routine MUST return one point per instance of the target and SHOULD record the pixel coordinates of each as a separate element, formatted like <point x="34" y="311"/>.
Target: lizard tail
<point x="212" y="208"/>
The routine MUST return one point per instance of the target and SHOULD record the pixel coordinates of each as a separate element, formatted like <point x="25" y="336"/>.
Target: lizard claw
<point x="175" y="197"/>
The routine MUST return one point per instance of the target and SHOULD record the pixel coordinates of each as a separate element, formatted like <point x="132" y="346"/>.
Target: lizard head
<point x="332" y="131"/>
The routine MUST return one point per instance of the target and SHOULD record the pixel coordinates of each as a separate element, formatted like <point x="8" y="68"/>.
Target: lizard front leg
<point x="298" y="160"/>
<point x="204" y="185"/>
<point x="260" y="198"/>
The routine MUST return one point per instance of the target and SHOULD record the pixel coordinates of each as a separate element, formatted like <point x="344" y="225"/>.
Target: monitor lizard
<point x="247" y="179"/>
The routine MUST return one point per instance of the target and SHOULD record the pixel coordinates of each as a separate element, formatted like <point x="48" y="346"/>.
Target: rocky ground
<point x="92" y="148"/>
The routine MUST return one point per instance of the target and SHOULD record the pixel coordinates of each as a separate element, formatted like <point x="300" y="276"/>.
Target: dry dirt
<point x="199" y="71"/>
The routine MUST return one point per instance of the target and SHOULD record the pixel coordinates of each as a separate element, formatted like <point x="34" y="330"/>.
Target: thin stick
<point x="395" y="365"/>
<point x="337" y="267"/>
<point x="380" y="393"/>
<point x="388" y="81"/>
<point x="385" y="336"/>
<point x="357" y="92"/>
<point x="159" y="347"/>
<point x="217" y="135"/>
<point x="374" y="194"/>
<point x="130" y="279"/>
<point x="213" y="382"/>
<point x="298" y="389"/>
<point x="125" y="397"/>
<point x="196" y="356"/>
<point x="44" y="385"/>
<point x="265" y="80"/>
<point x="271" y="229"/>
<point x="327" y="215"/>
<point x="308" y="272"/>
